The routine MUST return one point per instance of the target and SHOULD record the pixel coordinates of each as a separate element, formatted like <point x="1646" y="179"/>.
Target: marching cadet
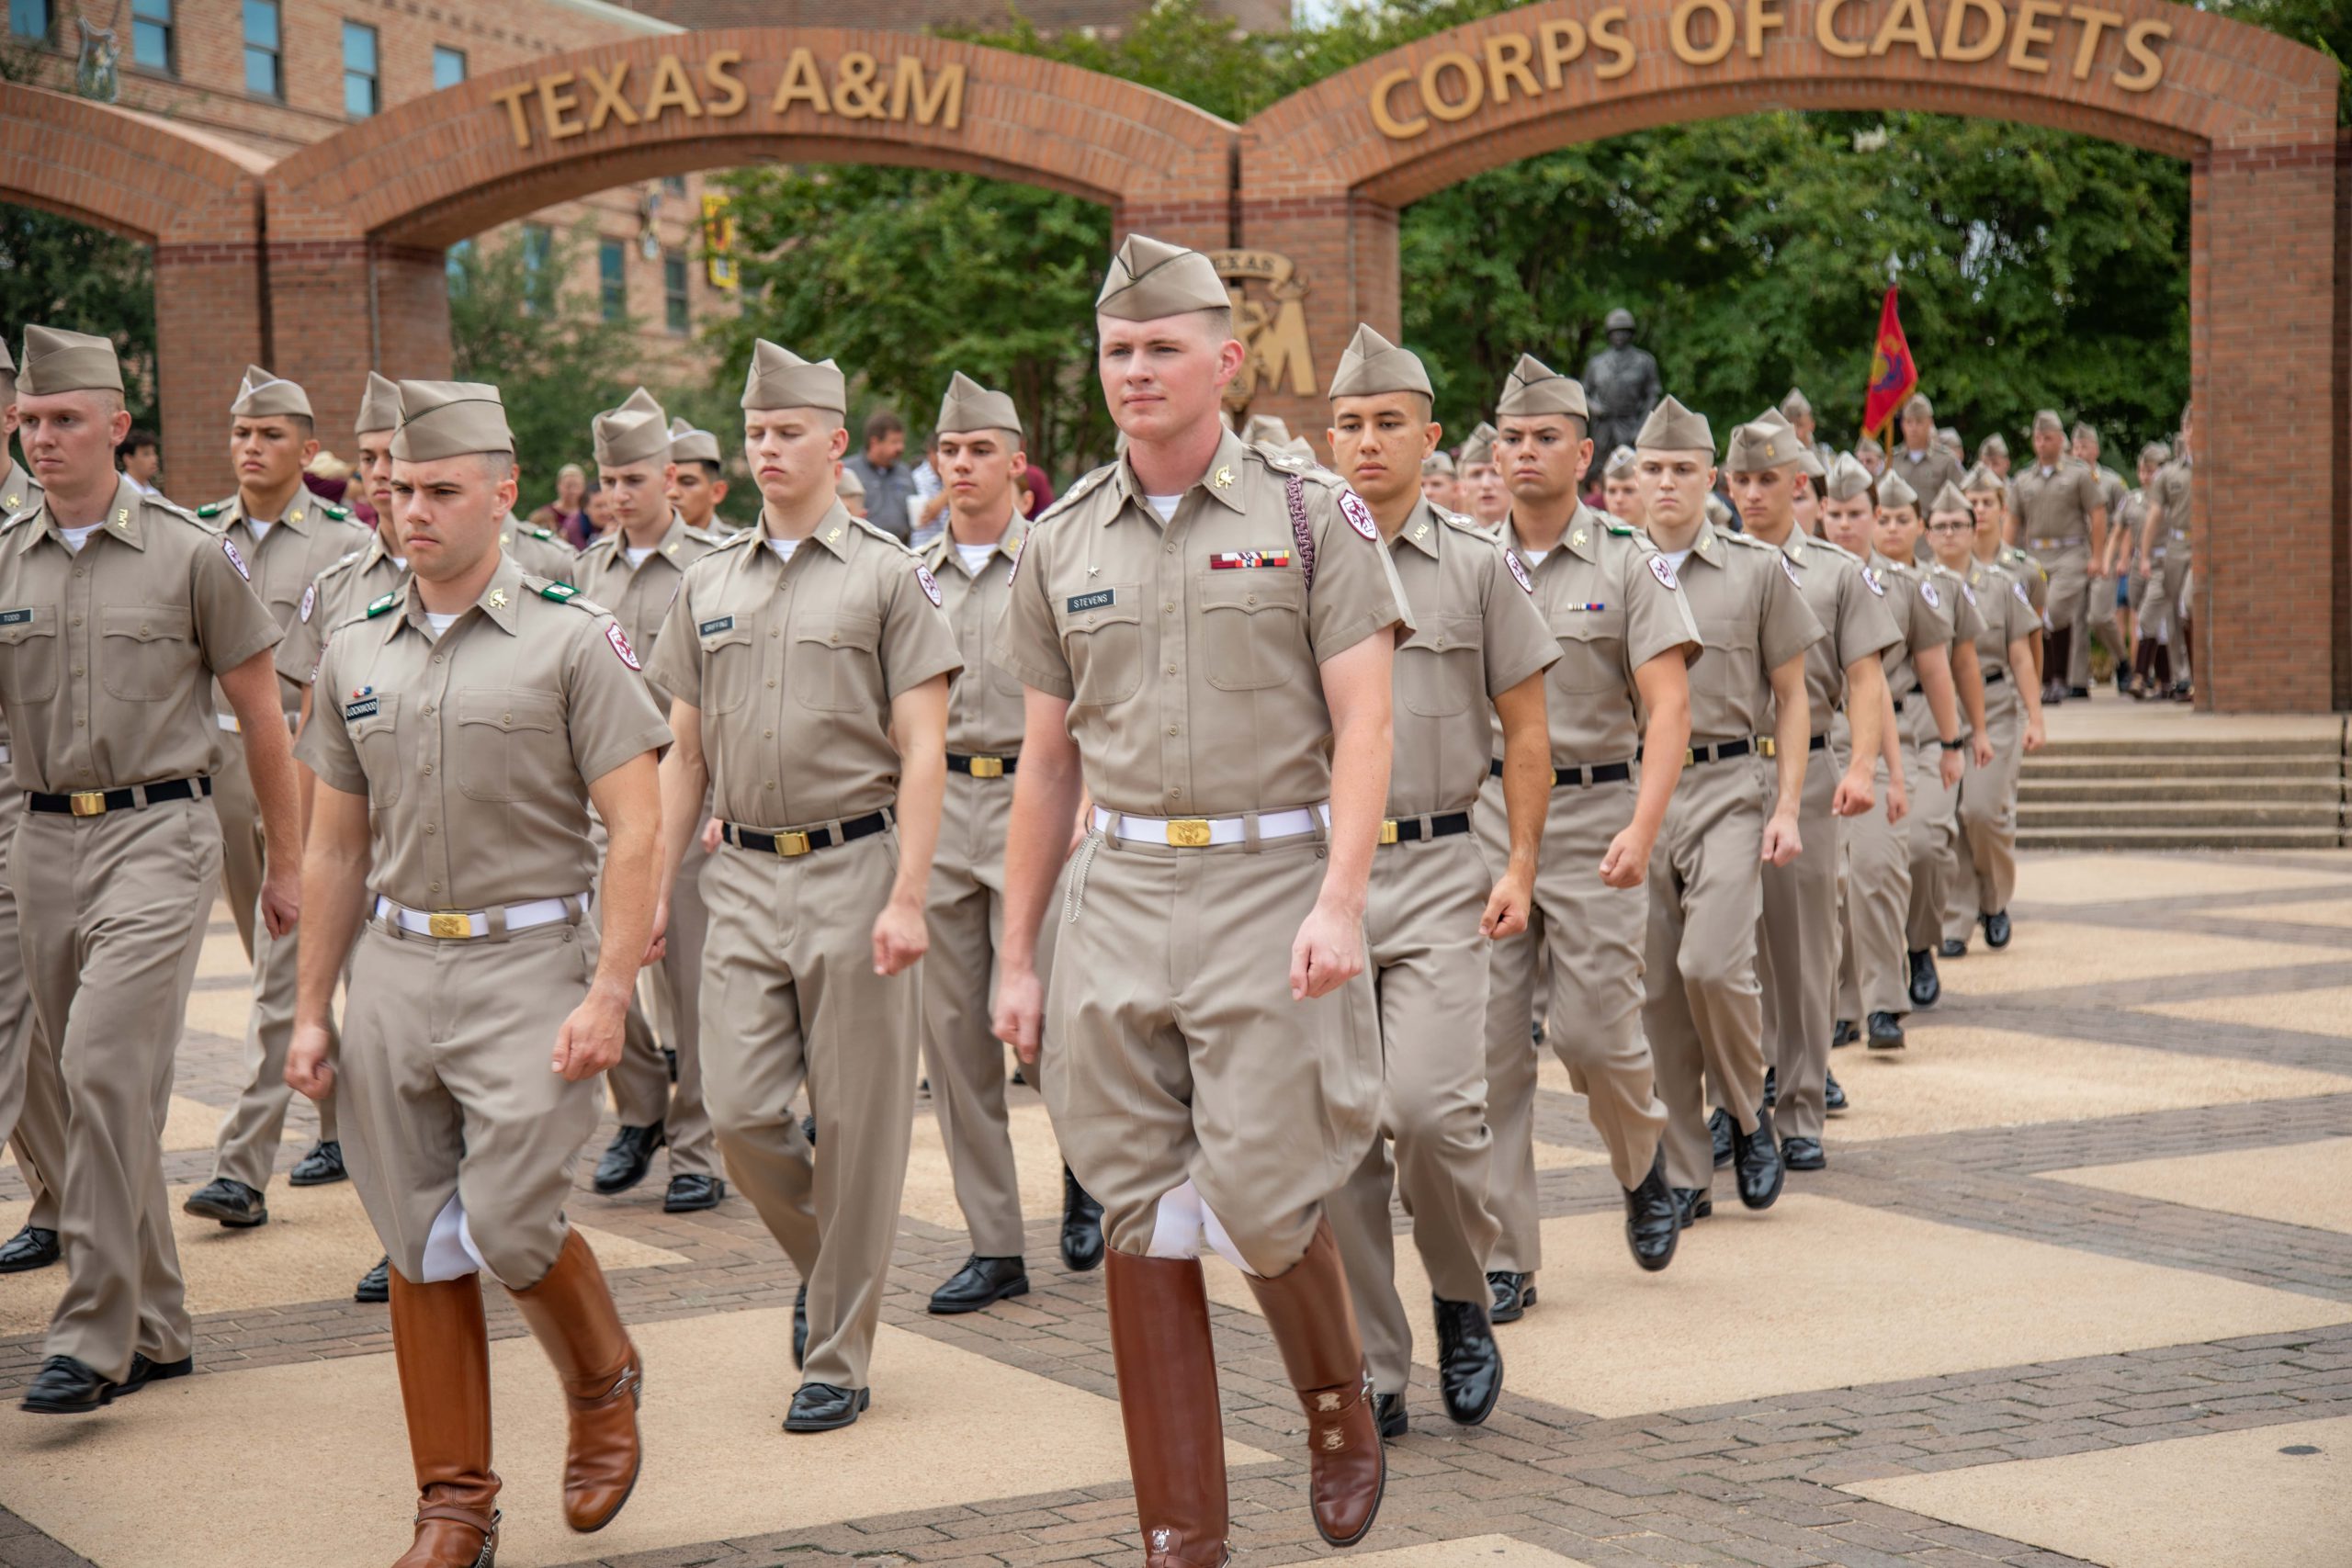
<point x="1988" y="498"/>
<point x="2104" y="614"/>
<point x="2167" y="520"/>
<point x="117" y="612"/>
<point x="1621" y="492"/>
<point x="1204" y="630"/>
<point x="1704" y="1009"/>
<point x="32" y="1103"/>
<point x="1479" y="646"/>
<point x="1625" y="636"/>
<point x="287" y="536"/>
<point x="1870" y="456"/>
<point x="479" y="967"/>
<point x="1484" y="494"/>
<point x="697" y="478"/>
<point x="2150" y="656"/>
<point x="1981" y="871"/>
<point x="981" y="463"/>
<point x="2055" y="511"/>
<point x="634" y="571"/>
<point x="1439" y="482"/>
<point x="807" y="663"/>
<point x="1922" y="461"/>
<point x="1993" y="456"/>
<point x="1797" y="933"/>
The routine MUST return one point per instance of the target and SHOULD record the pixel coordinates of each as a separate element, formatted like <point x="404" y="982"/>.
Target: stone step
<point x="2144" y="838"/>
<point x="2155" y="743"/>
<point x="2153" y="764"/>
<point x="2132" y="794"/>
<point x="2218" y="814"/>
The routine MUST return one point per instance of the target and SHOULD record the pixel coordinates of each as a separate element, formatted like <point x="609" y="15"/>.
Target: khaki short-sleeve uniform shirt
<point x="984" y="710"/>
<point x="2021" y="565"/>
<point x="1852" y="613"/>
<point x="2111" y="490"/>
<point x="1476" y="632"/>
<point x="1925" y="472"/>
<point x="2171" y="490"/>
<point x="2055" y="505"/>
<point x="540" y="551"/>
<point x="638" y="596"/>
<point x="1967" y="620"/>
<point x="342" y="592"/>
<point x="1189" y="649"/>
<point x="476" y="748"/>
<point x="107" y="654"/>
<point x="2004" y="613"/>
<point x="795" y="663"/>
<point x="1752" y="616"/>
<point x="286" y="559"/>
<point x="1924" y="620"/>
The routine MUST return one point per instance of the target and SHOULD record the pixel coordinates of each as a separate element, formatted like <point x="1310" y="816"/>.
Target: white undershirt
<point x="636" y="556"/>
<point x="399" y="561"/>
<point x="1532" y="557"/>
<point x="260" y="529"/>
<point x="1676" y="557"/>
<point x="782" y="548"/>
<point x="1165" y="504"/>
<point x="77" y="537"/>
<point x="976" y="556"/>
<point x="441" y="624"/>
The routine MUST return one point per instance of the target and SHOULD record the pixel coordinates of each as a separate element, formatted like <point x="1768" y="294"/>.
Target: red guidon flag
<point x="1893" y="375"/>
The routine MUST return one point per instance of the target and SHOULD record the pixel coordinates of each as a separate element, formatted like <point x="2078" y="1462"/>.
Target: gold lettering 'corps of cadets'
<point x="1205" y="630"/>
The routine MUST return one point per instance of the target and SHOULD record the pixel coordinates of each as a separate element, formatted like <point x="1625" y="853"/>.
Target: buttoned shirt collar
<point x="1582" y="536"/>
<point x="1421" y="528"/>
<point x="1221" y="479"/>
<point x="945" y="552"/>
<point x="499" y="601"/>
<point x="121" y="520"/>
<point x="671" y="538"/>
<point x="1705" y="545"/>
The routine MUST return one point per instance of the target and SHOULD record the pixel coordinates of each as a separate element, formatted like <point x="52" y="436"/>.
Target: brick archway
<point x="1322" y="182"/>
<point x="364" y="215"/>
<point x="196" y="200"/>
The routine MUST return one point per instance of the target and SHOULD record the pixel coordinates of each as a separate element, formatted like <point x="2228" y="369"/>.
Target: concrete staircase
<point x="2176" y="785"/>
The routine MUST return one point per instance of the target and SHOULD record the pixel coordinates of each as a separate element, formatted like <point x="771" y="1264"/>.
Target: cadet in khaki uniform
<point x="2168" y="522"/>
<point x="697" y="478"/>
<point x="1704" y="1010"/>
<point x="287" y="536"/>
<point x="1981" y="871"/>
<point x="1626" y="638"/>
<point x="2109" y="564"/>
<point x="1988" y="498"/>
<point x="1484" y="494"/>
<point x="807" y="663"/>
<point x="1922" y="462"/>
<point x="1621" y="492"/>
<point x="2056" y="512"/>
<point x="2147" y="619"/>
<point x="481" y="1010"/>
<point x="1205" y="631"/>
<point x="1479" y="646"/>
<point x="117" y="612"/>
<point x="1797" y="936"/>
<point x="634" y="571"/>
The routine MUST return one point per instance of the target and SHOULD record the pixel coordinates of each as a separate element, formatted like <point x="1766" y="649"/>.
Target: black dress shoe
<point x="1081" y="1226"/>
<point x="1771" y="1087"/>
<point x="691" y="1194"/>
<point x="627" y="1158"/>
<point x="1388" y="1410"/>
<point x="1844" y="1034"/>
<point x="233" y="1203"/>
<point x="64" y="1386"/>
<point x="1469" y="1362"/>
<point x="1952" y="947"/>
<point x="1692" y="1204"/>
<point x="374" y="1286"/>
<point x="2079" y="693"/>
<point x="1756" y="1160"/>
<point x="1997" y="930"/>
<point x="1719" y="1131"/>
<point x="1512" y="1296"/>
<point x="1653" y="1219"/>
<point x="1833" y="1095"/>
<point x="982" y="1282"/>
<point x="31" y="1247"/>
<point x="800" y="1329"/>
<point x="144" y="1372"/>
<point x="1925" y="987"/>
<point x="323" y="1167"/>
<point x="1887" y="1033"/>
<point x="822" y="1408"/>
<point x="1804" y="1154"/>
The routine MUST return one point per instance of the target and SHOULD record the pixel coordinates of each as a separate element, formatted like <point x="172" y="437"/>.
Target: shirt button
<point x="77" y="670"/>
<point x="770" y="784"/>
<point x="1171" y="729"/>
<point x="430" y="829"/>
<point x="426" y="710"/>
<point x="79" y="724"/>
<point x="1171" y="670"/>
<point x="1248" y="598"/>
<point x="436" y="658"/>
<point x="774" y="632"/>
<point x="770" y="685"/>
<point x="428" y="770"/>
<point x="77" y="620"/>
<point x="1168" y="609"/>
<point x="767" y="734"/>
<point x="434" y="887"/>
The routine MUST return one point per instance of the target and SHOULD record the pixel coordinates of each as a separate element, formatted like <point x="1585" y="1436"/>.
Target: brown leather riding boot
<point x="442" y="1354"/>
<point x="1315" y="1322"/>
<point x="571" y="1315"/>
<point x="1167" y="1367"/>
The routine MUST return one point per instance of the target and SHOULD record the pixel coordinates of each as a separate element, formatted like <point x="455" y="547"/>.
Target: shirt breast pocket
<point x="377" y="739"/>
<point x="1250" y="622"/>
<point x="511" y="744"/>
<point x="146" y="652"/>
<point x="1104" y="645"/>
<point x="1438" y="668"/>
<point x="730" y="665"/>
<point x="29" y="654"/>
<point x="1593" y="655"/>
<point x="833" y="664"/>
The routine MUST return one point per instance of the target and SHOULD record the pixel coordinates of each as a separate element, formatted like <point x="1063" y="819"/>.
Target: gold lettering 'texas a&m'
<point x="565" y="104"/>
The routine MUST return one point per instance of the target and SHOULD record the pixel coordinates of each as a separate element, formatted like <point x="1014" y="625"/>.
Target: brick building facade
<point x="1107" y="17"/>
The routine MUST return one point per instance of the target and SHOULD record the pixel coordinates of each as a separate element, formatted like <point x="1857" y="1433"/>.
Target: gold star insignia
<point x="1093" y="572"/>
<point x="1224" y="480"/>
<point x="498" y="598"/>
<point x="1578" y="539"/>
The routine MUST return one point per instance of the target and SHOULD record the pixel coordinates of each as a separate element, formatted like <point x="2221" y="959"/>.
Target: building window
<point x="612" y="281"/>
<point x="539" y="288"/>
<point x="362" y="93"/>
<point x="459" y="261"/>
<point x="449" y="66"/>
<point x="28" y="18"/>
<point x="151" y="41"/>
<point x="673" y="291"/>
<point x="265" y="56"/>
<point x="673" y="184"/>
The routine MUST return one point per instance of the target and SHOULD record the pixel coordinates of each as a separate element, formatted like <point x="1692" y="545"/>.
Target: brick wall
<point x="913" y="15"/>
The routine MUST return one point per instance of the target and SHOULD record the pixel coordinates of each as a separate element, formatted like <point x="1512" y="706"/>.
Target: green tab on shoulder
<point x="562" y="593"/>
<point x="1623" y="530"/>
<point x="378" y="606"/>
<point x="540" y="533"/>
<point x="340" y="514"/>
<point x="213" y="509"/>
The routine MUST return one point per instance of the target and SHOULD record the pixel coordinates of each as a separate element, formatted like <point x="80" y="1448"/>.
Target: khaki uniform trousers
<point x="1429" y="969"/>
<point x="32" y="1098"/>
<point x="1983" y="871"/>
<point x="790" y="991"/>
<point x="1179" y="1054"/>
<point x="2152" y="608"/>
<point x="443" y="1071"/>
<point x="642" y="1092"/>
<point x="2069" y="607"/>
<point x="2101" y="619"/>
<point x="1876" y="893"/>
<point x="2174" y="587"/>
<point x="1593" y="935"/>
<point x="1704" y="1009"/>
<point x="1933" y="826"/>
<point x="109" y="972"/>
<point x="1796" y="960"/>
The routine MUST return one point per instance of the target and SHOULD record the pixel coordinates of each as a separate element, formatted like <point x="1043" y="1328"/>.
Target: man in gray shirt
<point x="889" y="484"/>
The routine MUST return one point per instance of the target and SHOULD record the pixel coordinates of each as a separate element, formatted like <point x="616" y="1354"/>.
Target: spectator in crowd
<point x="888" y="484"/>
<point x="327" y="476"/>
<point x="141" y="455"/>
<point x="596" y="507"/>
<point x="1037" y="492"/>
<point x="929" y="511"/>
<point x="564" y="514"/>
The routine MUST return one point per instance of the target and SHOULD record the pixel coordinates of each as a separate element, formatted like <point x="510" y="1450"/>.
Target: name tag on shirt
<point x="364" y="709"/>
<point x="14" y="617"/>
<point x="712" y="629"/>
<point x="1099" y="600"/>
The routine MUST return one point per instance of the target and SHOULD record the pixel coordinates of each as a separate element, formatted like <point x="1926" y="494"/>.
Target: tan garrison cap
<point x="1918" y="403"/>
<point x="849" y="484"/>
<point x="1868" y="444"/>
<point x="1372" y="364"/>
<point x="1150" y="278"/>
<point x="1622" y="461"/>
<point x="1846" y="479"/>
<point x="1478" y="448"/>
<point x="1893" y="493"/>
<point x="449" y="419"/>
<point x="1949" y="498"/>
<point x="1993" y="443"/>
<point x="2047" y="419"/>
<point x="1437" y="462"/>
<point x="1673" y="428"/>
<point x="637" y="432"/>
<point x="782" y="379"/>
<point x="1981" y="478"/>
<point x="1796" y="405"/>
<point x="1265" y="430"/>
<point x="969" y="406"/>
<point x="2156" y="452"/>
<point x="1534" y="388"/>
<point x="1767" y="442"/>
<point x="262" y="393"/>
<point x="60" y="361"/>
<point x="380" y="406"/>
<point x="688" y="445"/>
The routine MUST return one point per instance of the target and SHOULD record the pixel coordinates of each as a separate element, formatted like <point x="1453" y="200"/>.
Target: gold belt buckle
<point x="1188" y="833"/>
<point x="88" y="802"/>
<point x="1766" y="746"/>
<point x="1388" y="833"/>
<point x="1690" y="757"/>
<point x="988" y="767"/>
<point x="449" y="923"/>
<point x="790" y="844"/>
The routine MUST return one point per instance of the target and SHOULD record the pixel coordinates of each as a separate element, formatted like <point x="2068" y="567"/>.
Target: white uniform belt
<point x="1199" y="832"/>
<point x="480" y="922"/>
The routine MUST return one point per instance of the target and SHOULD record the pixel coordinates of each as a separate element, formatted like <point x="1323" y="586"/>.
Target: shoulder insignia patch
<point x="379" y="605"/>
<point x="930" y="586"/>
<point x="1790" y="570"/>
<point x="1663" y="569"/>
<point x="310" y="602"/>
<point x="229" y="548"/>
<point x="1518" y="572"/>
<point x="620" y="639"/>
<point x="1927" y="591"/>
<point x="1870" y="580"/>
<point x="1358" y="514"/>
<point x="2023" y="597"/>
<point x="213" y="509"/>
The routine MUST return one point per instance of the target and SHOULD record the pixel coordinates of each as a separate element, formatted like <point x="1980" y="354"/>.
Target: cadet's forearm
<point x="686" y="781"/>
<point x="1666" y="746"/>
<point x="922" y="793"/>
<point x="252" y="691"/>
<point x="1890" y="741"/>
<point x="2098" y="532"/>
<point x="335" y="893"/>
<point x="629" y="799"/>
<point x="1527" y="769"/>
<point x="1933" y="666"/>
<point x="1791" y="732"/>
<point x="2021" y="657"/>
<point x="1866" y="710"/>
<point x="1969" y="677"/>
<point x="1045" y="800"/>
<point x="1361" y="750"/>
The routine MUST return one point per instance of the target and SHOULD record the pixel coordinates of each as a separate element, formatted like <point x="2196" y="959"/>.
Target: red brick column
<point x="340" y="307"/>
<point x="1344" y="246"/>
<point x="209" y="327"/>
